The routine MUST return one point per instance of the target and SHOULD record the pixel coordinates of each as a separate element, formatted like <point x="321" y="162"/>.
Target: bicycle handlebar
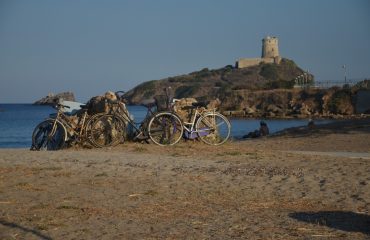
<point x="119" y="93"/>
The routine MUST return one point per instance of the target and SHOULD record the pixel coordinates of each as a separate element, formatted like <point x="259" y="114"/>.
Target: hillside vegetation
<point x="208" y="84"/>
<point x="265" y="90"/>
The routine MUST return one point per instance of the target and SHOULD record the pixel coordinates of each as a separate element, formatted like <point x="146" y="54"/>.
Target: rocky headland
<point x="53" y="98"/>
<point x="266" y="90"/>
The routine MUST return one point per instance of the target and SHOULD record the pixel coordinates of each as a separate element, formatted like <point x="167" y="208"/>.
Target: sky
<point x="92" y="46"/>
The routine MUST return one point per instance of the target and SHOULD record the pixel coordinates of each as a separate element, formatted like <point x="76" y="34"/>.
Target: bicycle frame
<point x="68" y="129"/>
<point x="139" y="131"/>
<point x="191" y="125"/>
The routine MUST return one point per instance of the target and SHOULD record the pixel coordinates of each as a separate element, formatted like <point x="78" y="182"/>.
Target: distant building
<point x="270" y="54"/>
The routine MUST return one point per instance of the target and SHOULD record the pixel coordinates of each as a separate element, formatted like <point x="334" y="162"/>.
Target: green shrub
<point x="280" y="84"/>
<point x="365" y="84"/>
<point x="222" y="84"/>
<point x="202" y="73"/>
<point x="269" y="71"/>
<point x="224" y="90"/>
<point x="150" y="85"/>
<point x="289" y="63"/>
<point x="246" y="73"/>
<point x="338" y="99"/>
<point x="241" y="87"/>
<point x="149" y="93"/>
<point x="186" y="91"/>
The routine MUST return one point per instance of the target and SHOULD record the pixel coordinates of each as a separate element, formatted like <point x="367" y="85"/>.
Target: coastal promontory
<point x="51" y="98"/>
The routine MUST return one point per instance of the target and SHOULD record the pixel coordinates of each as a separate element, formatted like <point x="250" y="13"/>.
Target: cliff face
<point x="286" y="103"/>
<point x="52" y="98"/>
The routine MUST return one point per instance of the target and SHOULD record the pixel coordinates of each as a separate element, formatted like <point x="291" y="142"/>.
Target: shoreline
<point x="337" y="125"/>
<point x="263" y="116"/>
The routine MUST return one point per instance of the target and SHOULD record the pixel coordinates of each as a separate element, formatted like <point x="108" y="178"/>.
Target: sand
<point x="298" y="185"/>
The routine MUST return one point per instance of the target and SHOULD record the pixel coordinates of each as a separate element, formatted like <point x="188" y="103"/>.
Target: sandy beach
<point x="301" y="184"/>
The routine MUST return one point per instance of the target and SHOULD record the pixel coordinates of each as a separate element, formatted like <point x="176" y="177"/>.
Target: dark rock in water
<point x="53" y="98"/>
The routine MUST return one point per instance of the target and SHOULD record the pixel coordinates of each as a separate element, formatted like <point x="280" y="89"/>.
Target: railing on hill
<point x="324" y="84"/>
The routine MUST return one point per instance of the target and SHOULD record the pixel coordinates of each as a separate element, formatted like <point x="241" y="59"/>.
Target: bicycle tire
<point x="43" y="139"/>
<point x="165" y="129"/>
<point x="107" y="131"/>
<point x="213" y="128"/>
<point x="88" y="126"/>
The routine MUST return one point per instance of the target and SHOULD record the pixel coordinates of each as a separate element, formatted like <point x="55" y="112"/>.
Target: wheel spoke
<point x="165" y="129"/>
<point x="106" y="131"/>
<point x="213" y="128"/>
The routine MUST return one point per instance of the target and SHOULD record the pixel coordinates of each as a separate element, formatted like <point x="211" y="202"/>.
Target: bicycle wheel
<point x="107" y="130"/>
<point x="44" y="138"/>
<point x="213" y="128"/>
<point x="165" y="128"/>
<point x="88" y="126"/>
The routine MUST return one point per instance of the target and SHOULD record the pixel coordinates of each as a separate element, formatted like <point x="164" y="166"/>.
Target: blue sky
<point x="91" y="46"/>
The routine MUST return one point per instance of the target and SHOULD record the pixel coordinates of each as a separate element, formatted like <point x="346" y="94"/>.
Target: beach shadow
<point x="25" y="229"/>
<point x="345" y="221"/>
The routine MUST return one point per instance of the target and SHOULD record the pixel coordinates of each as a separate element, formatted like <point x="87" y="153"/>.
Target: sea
<point x="17" y="122"/>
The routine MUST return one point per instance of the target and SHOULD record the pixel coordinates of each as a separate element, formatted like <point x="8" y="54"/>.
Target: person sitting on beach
<point x="262" y="131"/>
<point x="311" y="124"/>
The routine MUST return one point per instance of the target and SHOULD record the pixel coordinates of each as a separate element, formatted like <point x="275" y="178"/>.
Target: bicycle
<point x="54" y="132"/>
<point x="210" y="126"/>
<point x="110" y="129"/>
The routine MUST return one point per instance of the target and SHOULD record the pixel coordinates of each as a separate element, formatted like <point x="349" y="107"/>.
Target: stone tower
<point x="270" y="54"/>
<point x="270" y="47"/>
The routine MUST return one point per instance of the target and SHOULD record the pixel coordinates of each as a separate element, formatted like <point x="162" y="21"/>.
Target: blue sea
<point x="17" y="122"/>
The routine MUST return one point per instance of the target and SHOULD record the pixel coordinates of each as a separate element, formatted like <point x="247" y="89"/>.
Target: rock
<point x="96" y="105"/>
<point x="214" y="104"/>
<point x="102" y="103"/>
<point x="249" y="110"/>
<point x="108" y="103"/>
<point x="111" y="96"/>
<point x="273" y="108"/>
<point x="51" y="98"/>
<point x="305" y="110"/>
<point x="183" y="108"/>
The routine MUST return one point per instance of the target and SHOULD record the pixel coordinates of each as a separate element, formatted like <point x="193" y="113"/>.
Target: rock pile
<point x="107" y="103"/>
<point x="185" y="110"/>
